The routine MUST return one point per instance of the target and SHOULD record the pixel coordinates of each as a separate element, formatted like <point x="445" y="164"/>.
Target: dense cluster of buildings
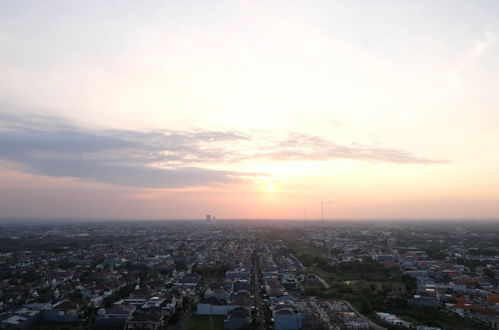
<point x="157" y="275"/>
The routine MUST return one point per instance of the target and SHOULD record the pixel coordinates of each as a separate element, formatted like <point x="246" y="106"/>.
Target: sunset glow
<point x="259" y="109"/>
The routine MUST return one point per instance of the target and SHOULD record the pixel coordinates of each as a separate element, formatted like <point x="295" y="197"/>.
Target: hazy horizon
<point x="273" y="220"/>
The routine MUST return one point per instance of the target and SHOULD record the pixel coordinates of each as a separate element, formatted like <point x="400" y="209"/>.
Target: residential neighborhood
<point x="248" y="275"/>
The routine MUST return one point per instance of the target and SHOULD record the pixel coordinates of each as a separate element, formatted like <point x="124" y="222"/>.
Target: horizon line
<point x="203" y="220"/>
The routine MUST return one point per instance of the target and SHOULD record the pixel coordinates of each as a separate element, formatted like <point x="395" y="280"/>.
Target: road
<point x="371" y="323"/>
<point x="323" y="282"/>
<point x="297" y="260"/>
<point x="259" y="316"/>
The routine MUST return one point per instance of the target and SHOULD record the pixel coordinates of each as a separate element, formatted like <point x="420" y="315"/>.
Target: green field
<point x="206" y="322"/>
<point x="57" y="326"/>
<point x="437" y="318"/>
<point x="366" y="285"/>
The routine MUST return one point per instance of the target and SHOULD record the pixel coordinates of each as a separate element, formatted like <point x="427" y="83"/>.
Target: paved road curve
<point x="371" y="323"/>
<point x="323" y="282"/>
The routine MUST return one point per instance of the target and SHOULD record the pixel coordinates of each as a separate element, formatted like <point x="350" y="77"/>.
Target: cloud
<point x="481" y="45"/>
<point x="162" y="158"/>
<point x="476" y="50"/>
<point x="50" y="146"/>
<point x="301" y="147"/>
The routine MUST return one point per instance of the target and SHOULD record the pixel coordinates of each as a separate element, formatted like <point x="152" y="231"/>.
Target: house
<point x="241" y="274"/>
<point x="218" y="292"/>
<point x="422" y="301"/>
<point x="20" y="318"/>
<point x="141" y="293"/>
<point x="241" y="286"/>
<point x="338" y="306"/>
<point x="190" y="280"/>
<point x="242" y="299"/>
<point x="287" y="319"/>
<point x="237" y="318"/>
<point x="150" y="320"/>
<point x="393" y="320"/>
<point x="493" y="301"/>
<point x="213" y="306"/>
<point x="290" y="284"/>
<point x="63" y="311"/>
<point x="115" y="316"/>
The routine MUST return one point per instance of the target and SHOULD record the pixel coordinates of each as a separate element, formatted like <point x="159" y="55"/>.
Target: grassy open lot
<point x="367" y="277"/>
<point x="206" y="322"/>
<point x="305" y="251"/>
<point x="57" y="326"/>
<point x="439" y="318"/>
<point x="365" y="285"/>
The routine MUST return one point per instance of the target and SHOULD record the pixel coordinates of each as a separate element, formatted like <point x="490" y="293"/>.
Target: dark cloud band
<point x="158" y="158"/>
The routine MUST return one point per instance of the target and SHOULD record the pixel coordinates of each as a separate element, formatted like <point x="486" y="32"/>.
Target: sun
<point x="270" y="187"/>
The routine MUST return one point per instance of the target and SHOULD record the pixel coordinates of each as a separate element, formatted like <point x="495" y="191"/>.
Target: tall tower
<point x="322" y="211"/>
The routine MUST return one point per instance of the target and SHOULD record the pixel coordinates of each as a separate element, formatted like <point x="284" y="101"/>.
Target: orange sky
<point x="177" y="110"/>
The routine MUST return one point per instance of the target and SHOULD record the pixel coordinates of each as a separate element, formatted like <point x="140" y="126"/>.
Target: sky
<point x="249" y="109"/>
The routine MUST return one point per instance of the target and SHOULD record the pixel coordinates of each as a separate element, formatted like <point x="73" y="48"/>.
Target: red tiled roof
<point x="493" y="299"/>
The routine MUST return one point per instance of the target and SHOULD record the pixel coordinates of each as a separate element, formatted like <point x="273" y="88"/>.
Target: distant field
<point x="365" y="285"/>
<point x="439" y="318"/>
<point x="206" y="322"/>
<point x="56" y="326"/>
<point x="376" y="278"/>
